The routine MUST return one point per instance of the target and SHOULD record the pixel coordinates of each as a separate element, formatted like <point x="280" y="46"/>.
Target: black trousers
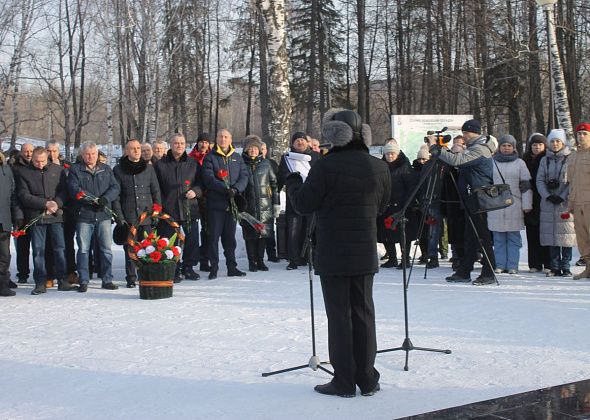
<point x="255" y="250"/>
<point x="472" y="246"/>
<point x="538" y="255"/>
<point x="204" y="247"/>
<point x="221" y="224"/>
<point x="352" y="339"/>
<point x="271" y="245"/>
<point x="23" y="250"/>
<point x="4" y="259"/>
<point x="296" y="232"/>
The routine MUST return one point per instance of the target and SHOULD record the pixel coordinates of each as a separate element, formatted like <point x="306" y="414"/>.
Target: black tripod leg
<point x="291" y="369"/>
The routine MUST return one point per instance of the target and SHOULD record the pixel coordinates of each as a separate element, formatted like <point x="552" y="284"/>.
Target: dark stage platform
<point x="568" y="401"/>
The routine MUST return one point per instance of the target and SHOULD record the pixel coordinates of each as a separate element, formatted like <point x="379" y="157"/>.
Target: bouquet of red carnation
<point x="84" y="196"/>
<point x="156" y="250"/>
<point x="23" y="231"/>
<point x="223" y="174"/>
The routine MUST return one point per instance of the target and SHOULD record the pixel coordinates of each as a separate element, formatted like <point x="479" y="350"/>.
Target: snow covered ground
<point x="200" y="355"/>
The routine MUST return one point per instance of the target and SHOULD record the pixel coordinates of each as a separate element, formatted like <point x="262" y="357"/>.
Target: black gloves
<point x="555" y="199"/>
<point x="232" y="192"/>
<point x="435" y="150"/>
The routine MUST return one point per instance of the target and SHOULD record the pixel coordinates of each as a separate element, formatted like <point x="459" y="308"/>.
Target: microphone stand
<point x="314" y="361"/>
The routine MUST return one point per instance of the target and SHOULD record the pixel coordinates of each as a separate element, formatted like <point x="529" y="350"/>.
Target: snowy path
<point x="108" y="354"/>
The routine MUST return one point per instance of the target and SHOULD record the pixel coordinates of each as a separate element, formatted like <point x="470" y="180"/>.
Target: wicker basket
<point x="156" y="280"/>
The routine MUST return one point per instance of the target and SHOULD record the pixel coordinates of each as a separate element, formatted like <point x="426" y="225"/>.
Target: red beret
<point x="583" y="127"/>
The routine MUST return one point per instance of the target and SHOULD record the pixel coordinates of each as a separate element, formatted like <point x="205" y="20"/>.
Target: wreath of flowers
<point x="153" y="249"/>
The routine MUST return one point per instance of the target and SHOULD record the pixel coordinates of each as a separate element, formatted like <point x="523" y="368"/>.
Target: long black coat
<point x="347" y="189"/>
<point x="215" y="189"/>
<point x="139" y="189"/>
<point x="9" y="208"/>
<point x="261" y="194"/>
<point x="176" y="177"/>
<point x="35" y="187"/>
<point x="532" y="218"/>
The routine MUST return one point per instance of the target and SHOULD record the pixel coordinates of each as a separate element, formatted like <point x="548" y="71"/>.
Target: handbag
<point x="490" y="197"/>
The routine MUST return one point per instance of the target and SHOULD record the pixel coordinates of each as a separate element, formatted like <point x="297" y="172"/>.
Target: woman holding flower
<point x="263" y="202"/>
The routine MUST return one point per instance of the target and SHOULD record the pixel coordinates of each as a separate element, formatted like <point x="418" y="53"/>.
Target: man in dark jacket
<point x="296" y="223"/>
<point x="347" y="190"/>
<point x="23" y="243"/>
<point x="139" y="191"/>
<point x="180" y="186"/>
<point x="9" y="212"/>
<point x="475" y="170"/>
<point x="95" y="188"/>
<point x="220" y="220"/>
<point x="42" y="189"/>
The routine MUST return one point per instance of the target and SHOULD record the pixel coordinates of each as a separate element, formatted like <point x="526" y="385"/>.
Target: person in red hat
<point x="578" y="173"/>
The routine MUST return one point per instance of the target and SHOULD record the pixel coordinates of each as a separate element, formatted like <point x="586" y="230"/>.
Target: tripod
<point x="400" y="218"/>
<point x="314" y="361"/>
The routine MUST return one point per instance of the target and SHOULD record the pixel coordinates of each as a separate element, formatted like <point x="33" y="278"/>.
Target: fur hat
<point x="507" y="139"/>
<point x="557" y="134"/>
<point x="203" y="137"/>
<point x="423" y="153"/>
<point x="472" y="126"/>
<point x="298" y="135"/>
<point x="251" y="140"/>
<point x="537" y="138"/>
<point x="391" y="147"/>
<point x="342" y="126"/>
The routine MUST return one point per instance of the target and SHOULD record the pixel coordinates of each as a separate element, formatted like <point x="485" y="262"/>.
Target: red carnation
<point x="157" y="208"/>
<point x="136" y="248"/>
<point x="66" y="165"/>
<point x="18" y="233"/>
<point x="145" y="243"/>
<point x="565" y="215"/>
<point x="259" y="227"/>
<point x="80" y="195"/>
<point x="151" y="236"/>
<point x="161" y="243"/>
<point x="388" y="222"/>
<point x="222" y="173"/>
<point x="187" y="182"/>
<point x="175" y="251"/>
<point x="156" y="256"/>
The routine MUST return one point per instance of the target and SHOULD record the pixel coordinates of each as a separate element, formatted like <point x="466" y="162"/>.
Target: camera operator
<point x="347" y="190"/>
<point x="475" y="170"/>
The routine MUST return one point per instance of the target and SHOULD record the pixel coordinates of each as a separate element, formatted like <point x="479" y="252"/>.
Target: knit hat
<point x="298" y="135"/>
<point x="507" y="139"/>
<point x="391" y="147"/>
<point x="583" y="127"/>
<point x="342" y="126"/>
<point x="472" y="126"/>
<point x="537" y="138"/>
<point x="251" y="140"/>
<point x="423" y="153"/>
<point x="203" y="137"/>
<point x="557" y="134"/>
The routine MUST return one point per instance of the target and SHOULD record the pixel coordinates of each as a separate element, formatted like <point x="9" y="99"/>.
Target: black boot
<point x="260" y="247"/>
<point x="39" y="289"/>
<point x="7" y="292"/>
<point x="432" y="262"/>
<point x="131" y="284"/>
<point x="12" y="285"/>
<point x="212" y="273"/>
<point x="252" y="266"/>
<point x="390" y="263"/>
<point x="64" y="285"/>
<point x="190" y="274"/>
<point x="234" y="272"/>
<point x="261" y="265"/>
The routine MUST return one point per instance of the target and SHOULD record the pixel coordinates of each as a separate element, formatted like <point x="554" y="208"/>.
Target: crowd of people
<point x="40" y="202"/>
<point x="550" y="199"/>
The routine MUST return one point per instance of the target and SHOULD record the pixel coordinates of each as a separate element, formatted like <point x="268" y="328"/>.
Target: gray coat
<point x="554" y="230"/>
<point x="139" y="189"/>
<point x="9" y="209"/>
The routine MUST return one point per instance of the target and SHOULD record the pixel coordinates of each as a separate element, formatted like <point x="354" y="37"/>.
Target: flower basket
<point x="156" y="258"/>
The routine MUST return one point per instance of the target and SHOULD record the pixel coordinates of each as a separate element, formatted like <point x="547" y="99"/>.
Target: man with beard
<point x="139" y="191"/>
<point x="347" y="190"/>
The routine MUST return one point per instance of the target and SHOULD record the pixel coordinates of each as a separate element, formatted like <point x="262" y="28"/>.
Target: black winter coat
<point x="176" y="177"/>
<point x="139" y="189"/>
<point x="532" y="218"/>
<point x="216" y="190"/>
<point x="261" y="194"/>
<point x="347" y="189"/>
<point x="9" y="209"/>
<point x="101" y="183"/>
<point x="35" y="187"/>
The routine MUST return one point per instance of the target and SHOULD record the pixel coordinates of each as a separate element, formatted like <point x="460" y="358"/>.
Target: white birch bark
<point x="561" y="104"/>
<point x="279" y="92"/>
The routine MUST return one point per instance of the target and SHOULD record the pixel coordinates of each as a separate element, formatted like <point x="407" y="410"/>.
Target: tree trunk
<point x="361" y="69"/>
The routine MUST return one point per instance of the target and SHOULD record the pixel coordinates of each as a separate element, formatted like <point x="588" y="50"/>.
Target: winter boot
<point x="12" y="285"/>
<point x="252" y="267"/>
<point x="261" y="265"/>
<point x="190" y="274"/>
<point x="65" y="286"/>
<point x="584" y="274"/>
<point x="234" y="272"/>
<point x="5" y="291"/>
<point x="390" y="263"/>
<point x="432" y="263"/>
<point x="39" y="289"/>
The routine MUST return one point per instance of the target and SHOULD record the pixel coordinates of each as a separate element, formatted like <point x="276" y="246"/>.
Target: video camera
<point x="436" y="137"/>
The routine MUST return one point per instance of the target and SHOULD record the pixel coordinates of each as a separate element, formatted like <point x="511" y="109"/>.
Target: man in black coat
<point x="221" y="223"/>
<point x="347" y="190"/>
<point x="42" y="190"/>
<point x="9" y="212"/>
<point x="180" y="186"/>
<point x="139" y="191"/>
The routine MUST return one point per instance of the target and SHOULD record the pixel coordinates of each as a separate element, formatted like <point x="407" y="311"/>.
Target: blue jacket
<point x="101" y="183"/>
<point x="215" y="189"/>
<point x="475" y="164"/>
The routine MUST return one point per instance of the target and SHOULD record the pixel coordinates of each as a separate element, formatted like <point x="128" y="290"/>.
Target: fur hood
<point x="339" y="133"/>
